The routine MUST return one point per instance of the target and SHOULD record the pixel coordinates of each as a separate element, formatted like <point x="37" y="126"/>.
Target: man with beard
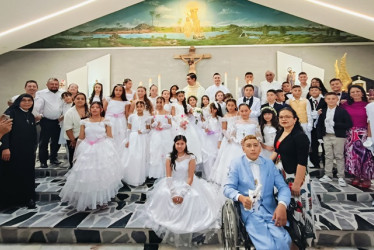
<point x="48" y="105"/>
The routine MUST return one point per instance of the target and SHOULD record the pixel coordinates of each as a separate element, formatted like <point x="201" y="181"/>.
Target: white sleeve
<point x="256" y="108"/>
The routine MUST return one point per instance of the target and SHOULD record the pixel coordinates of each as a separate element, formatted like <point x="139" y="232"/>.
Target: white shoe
<point x="325" y="179"/>
<point x="342" y="182"/>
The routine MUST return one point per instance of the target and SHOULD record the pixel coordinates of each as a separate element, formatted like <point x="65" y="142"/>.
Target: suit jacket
<point x="321" y="105"/>
<point x="342" y="121"/>
<point x="256" y="107"/>
<point x="240" y="180"/>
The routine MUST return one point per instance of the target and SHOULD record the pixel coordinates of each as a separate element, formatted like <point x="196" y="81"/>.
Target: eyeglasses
<point x="285" y="117"/>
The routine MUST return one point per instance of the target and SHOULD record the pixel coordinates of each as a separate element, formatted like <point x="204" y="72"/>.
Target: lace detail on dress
<point x="84" y="121"/>
<point x="107" y="122"/>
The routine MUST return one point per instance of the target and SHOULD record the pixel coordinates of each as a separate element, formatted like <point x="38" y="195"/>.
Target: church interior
<point x="151" y="42"/>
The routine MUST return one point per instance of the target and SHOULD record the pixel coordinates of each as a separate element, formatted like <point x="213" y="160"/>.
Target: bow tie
<point x="257" y="162"/>
<point x="245" y="99"/>
<point x="339" y="94"/>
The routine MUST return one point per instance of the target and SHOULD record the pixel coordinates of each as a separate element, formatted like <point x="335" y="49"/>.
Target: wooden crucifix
<point x="192" y="58"/>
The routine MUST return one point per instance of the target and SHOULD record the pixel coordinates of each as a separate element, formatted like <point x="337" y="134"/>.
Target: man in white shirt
<point x="48" y="105"/>
<point x="303" y="77"/>
<point x="194" y="88"/>
<point x="269" y="83"/>
<point x="212" y="90"/>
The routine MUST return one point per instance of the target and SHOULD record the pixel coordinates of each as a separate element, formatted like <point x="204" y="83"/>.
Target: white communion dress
<point x="116" y="114"/>
<point x="160" y="145"/>
<point x="199" y="211"/>
<point x="212" y="135"/>
<point x="96" y="175"/>
<point x="231" y="148"/>
<point x="269" y="136"/>
<point x="136" y="155"/>
<point x="193" y="139"/>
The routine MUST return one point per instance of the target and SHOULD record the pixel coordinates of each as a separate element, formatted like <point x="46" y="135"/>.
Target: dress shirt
<point x="329" y="117"/>
<point x="255" y="107"/>
<point x="265" y="86"/>
<point x="49" y="103"/>
<point x="212" y="90"/>
<point x="305" y="90"/>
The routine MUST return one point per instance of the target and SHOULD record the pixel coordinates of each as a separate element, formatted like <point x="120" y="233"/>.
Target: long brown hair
<point x="148" y="103"/>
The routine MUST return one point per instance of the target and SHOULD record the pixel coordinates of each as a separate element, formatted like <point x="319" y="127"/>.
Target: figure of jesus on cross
<point x="192" y="58"/>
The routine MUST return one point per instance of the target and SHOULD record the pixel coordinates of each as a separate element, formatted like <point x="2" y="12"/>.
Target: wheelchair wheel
<point x="230" y="226"/>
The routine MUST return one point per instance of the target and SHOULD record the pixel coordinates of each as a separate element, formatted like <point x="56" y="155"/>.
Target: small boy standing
<point x="332" y="126"/>
<point x="254" y="103"/>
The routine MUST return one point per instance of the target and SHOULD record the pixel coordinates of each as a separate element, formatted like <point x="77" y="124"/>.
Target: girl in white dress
<point x="195" y="116"/>
<point x="161" y="140"/>
<point x="220" y="96"/>
<point x="135" y="158"/>
<point x="181" y="125"/>
<point x="173" y="93"/>
<point x="181" y="204"/>
<point x="141" y="93"/>
<point x="212" y="138"/>
<point x="268" y="127"/>
<point x="241" y="127"/>
<point x="228" y="122"/>
<point x="96" y="176"/>
<point x="97" y="94"/>
<point x="117" y="109"/>
<point x="205" y="107"/>
<point x="153" y="93"/>
<point x="130" y="94"/>
<point x="166" y="95"/>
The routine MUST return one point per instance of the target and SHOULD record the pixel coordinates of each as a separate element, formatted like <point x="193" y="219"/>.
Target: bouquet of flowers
<point x="184" y="121"/>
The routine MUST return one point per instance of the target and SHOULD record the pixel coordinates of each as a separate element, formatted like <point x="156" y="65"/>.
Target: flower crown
<point x="269" y="108"/>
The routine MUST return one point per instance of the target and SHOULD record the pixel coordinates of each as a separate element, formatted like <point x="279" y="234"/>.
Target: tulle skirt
<point x="160" y="144"/>
<point x="95" y="177"/>
<point x="227" y="152"/>
<point x="135" y="159"/>
<point x="119" y="129"/>
<point x="209" y="153"/>
<point x="199" y="212"/>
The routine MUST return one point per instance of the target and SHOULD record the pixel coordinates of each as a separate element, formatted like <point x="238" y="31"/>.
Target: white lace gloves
<point x="368" y="143"/>
<point x="183" y="191"/>
<point x="170" y="184"/>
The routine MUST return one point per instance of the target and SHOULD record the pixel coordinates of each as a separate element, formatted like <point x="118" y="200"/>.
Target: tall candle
<point x="140" y="83"/>
<point x="226" y="79"/>
<point x="149" y="83"/>
<point x="237" y="87"/>
<point x="159" y="84"/>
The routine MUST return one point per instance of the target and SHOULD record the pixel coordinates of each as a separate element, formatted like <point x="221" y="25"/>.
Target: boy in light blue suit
<point x="263" y="217"/>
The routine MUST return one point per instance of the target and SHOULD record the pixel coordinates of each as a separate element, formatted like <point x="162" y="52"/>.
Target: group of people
<point x="131" y="136"/>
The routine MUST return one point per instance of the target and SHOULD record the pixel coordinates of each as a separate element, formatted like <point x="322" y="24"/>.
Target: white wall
<point x="140" y="64"/>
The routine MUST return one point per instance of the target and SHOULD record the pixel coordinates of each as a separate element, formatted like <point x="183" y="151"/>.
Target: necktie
<point x="315" y="104"/>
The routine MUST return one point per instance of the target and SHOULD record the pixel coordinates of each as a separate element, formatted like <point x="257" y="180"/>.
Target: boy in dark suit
<point x="271" y="97"/>
<point x="317" y="104"/>
<point x="332" y="126"/>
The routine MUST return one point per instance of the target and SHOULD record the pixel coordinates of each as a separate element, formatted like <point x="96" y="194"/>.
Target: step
<point x="48" y="189"/>
<point x="327" y="192"/>
<point x="343" y="215"/>
<point x="55" y="222"/>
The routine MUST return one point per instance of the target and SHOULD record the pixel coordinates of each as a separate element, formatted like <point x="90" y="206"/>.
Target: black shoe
<point x="55" y="162"/>
<point x="31" y="204"/>
<point x="43" y="165"/>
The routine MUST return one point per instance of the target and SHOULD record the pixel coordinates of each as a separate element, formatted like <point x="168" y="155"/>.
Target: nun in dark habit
<point x="17" y="165"/>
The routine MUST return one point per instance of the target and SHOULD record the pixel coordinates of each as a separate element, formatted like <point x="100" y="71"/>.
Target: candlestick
<point x="237" y="87"/>
<point x="159" y="84"/>
<point x="226" y="79"/>
<point x="140" y="83"/>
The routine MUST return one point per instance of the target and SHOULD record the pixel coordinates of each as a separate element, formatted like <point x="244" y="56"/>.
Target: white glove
<point x="320" y="141"/>
<point x="166" y="126"/>
<point x="185" y="190"/>
<point x="128" y="131"/>
<point x="314" y="114"/>
<point x="154" y="124"/>
<point x="368" y="143"/>
<point x="170" y="184"/>
<point x="145" y="131"/>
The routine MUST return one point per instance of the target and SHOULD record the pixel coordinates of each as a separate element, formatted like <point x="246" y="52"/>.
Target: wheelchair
<point x="234" y="233"/>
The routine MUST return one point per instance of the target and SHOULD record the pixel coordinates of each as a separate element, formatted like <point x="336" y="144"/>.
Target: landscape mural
<point x="204" y="22"/>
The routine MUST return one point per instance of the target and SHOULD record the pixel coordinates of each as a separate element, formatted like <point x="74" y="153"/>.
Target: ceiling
<point x="19" y="12"/>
